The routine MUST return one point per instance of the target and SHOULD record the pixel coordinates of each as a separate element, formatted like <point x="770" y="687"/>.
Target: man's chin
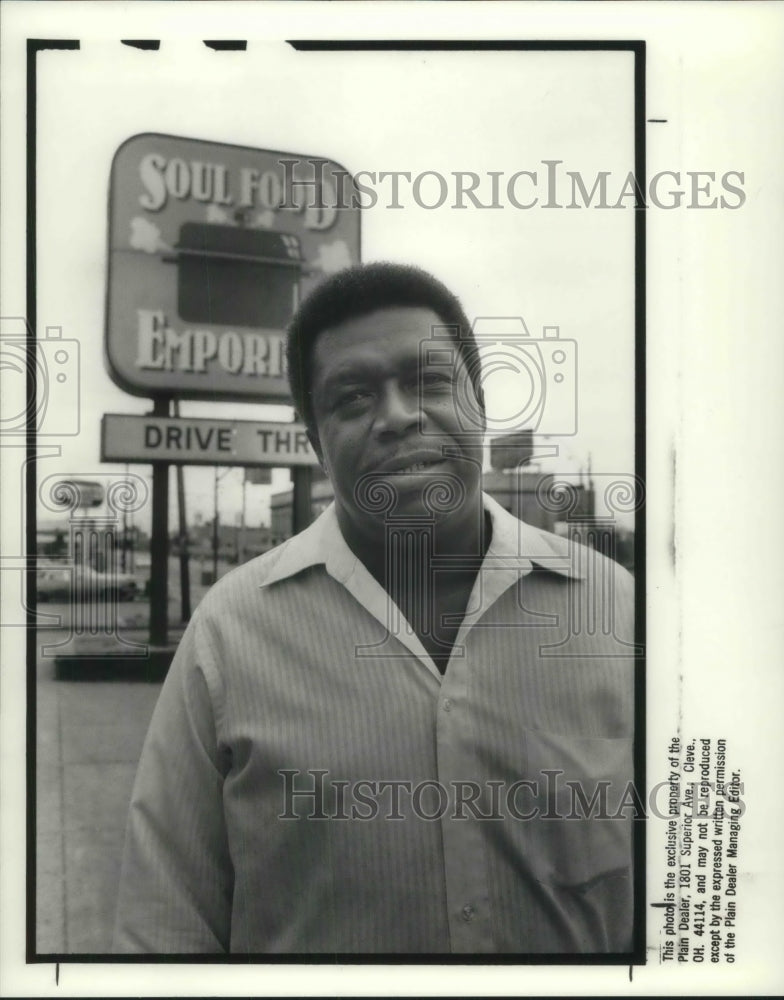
<point x="432" y="494"/>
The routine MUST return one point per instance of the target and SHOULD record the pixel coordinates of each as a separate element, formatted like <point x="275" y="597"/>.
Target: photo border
<point x="637" y="955"/>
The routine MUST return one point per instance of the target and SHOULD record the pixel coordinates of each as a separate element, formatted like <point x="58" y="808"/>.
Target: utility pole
<point x="215" y="522"/>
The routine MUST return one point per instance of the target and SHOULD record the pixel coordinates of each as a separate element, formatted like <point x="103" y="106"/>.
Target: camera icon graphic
<point x="40" y="381"/>
<point x="528" y="383"/>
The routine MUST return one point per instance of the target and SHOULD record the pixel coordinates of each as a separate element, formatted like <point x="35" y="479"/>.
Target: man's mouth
<point x="420" y="466"/>
<point x="415" y="463"/>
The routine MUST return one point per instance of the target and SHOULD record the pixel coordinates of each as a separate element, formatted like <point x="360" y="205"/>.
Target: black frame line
<point x="226" y="45"/>
<point x="637" y="956"/>
<point x="149" y="44"/>
<point x="34" y="46"/>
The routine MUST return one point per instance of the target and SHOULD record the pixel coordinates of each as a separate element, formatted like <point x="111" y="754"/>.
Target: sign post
<point x="183" y="544"/>
<point x="185" y="573"/>
<point x="159" y="545"/>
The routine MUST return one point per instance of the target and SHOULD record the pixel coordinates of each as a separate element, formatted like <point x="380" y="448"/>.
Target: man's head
<point x="374" y="405"/>
<point x="358" y="291"/>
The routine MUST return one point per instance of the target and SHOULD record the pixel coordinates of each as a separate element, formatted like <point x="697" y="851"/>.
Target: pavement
<point x="90" y="736"/>
<point x="92" y="714"/>
<point x="93" y="708"/>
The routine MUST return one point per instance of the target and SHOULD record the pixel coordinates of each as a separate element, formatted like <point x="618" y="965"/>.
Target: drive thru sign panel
<point x="200" y="441"/>
<point x="211" y="247"/>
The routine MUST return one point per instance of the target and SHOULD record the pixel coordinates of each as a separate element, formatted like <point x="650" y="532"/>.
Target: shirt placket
<point x="465" y="868"/>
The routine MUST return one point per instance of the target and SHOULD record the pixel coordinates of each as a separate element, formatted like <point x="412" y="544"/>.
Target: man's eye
<point x="435" y="380"/>
<point x="352" y="398"/>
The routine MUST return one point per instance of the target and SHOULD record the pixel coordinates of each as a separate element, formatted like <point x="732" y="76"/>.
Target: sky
<point x="380" y="111"/>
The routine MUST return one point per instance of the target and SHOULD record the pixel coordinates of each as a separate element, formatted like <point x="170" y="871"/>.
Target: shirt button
<point x="468" y="912"/>
<point x="447" y="705"/>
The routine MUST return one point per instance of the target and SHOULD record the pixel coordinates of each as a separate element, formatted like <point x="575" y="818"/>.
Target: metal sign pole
<point x="182" y="524"/>
<point x="185" y="578"/>
<point x="159" y="544"/>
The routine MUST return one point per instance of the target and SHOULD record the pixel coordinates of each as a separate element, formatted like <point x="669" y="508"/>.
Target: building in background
<point x="235" y="543"/>
<point x="281" y="506"/>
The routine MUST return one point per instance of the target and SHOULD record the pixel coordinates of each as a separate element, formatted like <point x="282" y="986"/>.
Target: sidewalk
<point x="91" y="723"/>
<point x="89" y="738"/>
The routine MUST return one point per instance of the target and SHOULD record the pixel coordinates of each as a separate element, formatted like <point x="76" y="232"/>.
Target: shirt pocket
<point x="578" y="848"/>
<point x="579" y="836"/>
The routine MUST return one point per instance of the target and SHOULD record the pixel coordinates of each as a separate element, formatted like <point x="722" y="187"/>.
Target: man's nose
<point x="398" y="410"/>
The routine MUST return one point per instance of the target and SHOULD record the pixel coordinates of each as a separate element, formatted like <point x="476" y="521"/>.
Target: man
<point x="376" y="738"/>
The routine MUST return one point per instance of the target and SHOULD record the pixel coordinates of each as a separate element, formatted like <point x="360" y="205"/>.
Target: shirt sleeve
<point x="176" y="881"/>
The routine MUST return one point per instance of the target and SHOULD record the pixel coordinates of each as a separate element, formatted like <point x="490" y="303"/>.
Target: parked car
<point x="59" y="583"/>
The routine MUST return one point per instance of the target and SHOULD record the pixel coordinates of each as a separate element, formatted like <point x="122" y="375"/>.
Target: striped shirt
<point x="311" y="783"/>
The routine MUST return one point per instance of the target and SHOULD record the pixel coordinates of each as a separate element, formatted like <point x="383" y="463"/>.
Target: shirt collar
<point x="515" y="546"/>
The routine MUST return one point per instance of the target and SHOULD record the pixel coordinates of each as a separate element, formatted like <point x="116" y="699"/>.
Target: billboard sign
<point x="201" y="441"/>
<point x="211" y="247"/>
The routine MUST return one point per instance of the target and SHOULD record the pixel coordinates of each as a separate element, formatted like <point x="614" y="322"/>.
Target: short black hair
<point x="359" y="291"/>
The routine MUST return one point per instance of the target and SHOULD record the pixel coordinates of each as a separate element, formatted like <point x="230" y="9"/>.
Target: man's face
<point x="380" y="411"/>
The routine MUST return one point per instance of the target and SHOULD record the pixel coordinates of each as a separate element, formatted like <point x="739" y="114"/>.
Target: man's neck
<point x="428" y="569"/>
<point x="459" y="541"/>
